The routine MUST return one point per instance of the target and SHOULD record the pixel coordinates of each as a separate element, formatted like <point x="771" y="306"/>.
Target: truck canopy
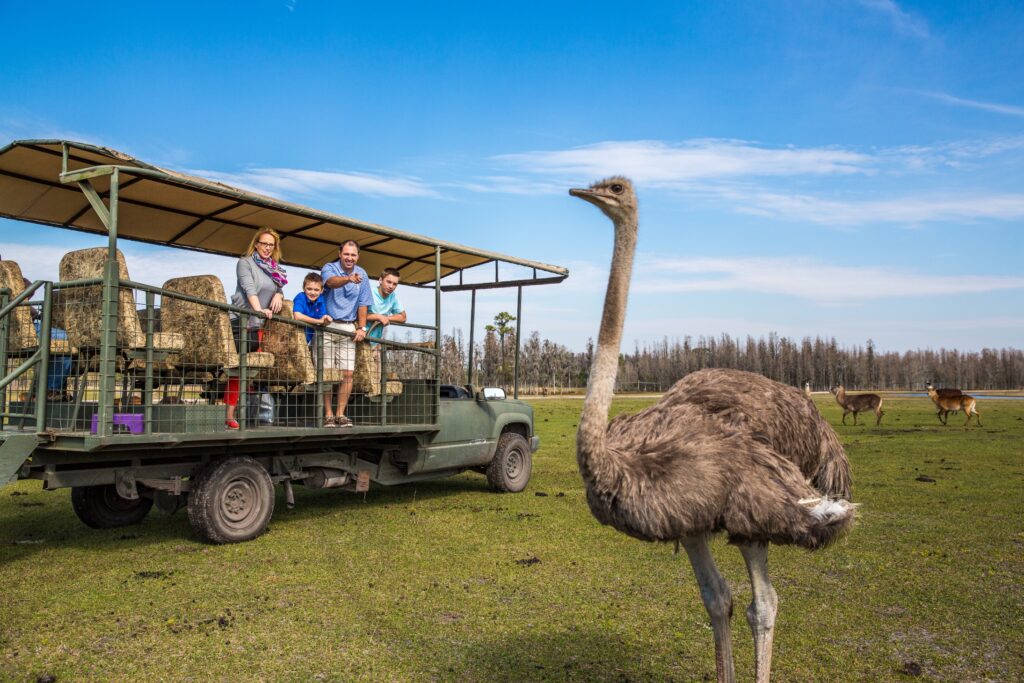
<point x="39" y="182"/>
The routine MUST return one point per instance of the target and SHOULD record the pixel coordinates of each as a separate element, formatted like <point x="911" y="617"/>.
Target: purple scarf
<point x="272" y="269"/>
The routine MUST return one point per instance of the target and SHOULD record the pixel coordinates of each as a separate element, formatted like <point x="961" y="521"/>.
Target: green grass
<point x="449" y="581"/>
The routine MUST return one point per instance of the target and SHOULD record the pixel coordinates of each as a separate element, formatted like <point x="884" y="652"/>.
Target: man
<point x="386" y="308"/>
<point x="346" y="296"/>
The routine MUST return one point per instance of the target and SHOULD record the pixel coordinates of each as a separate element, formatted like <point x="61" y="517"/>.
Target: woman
<point x="261" y="280"/>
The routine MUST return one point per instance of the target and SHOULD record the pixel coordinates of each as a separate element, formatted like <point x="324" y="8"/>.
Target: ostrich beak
<point x="587" y="195"/>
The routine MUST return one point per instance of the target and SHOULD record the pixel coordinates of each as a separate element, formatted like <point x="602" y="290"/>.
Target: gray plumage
<point x="723" y="451"/>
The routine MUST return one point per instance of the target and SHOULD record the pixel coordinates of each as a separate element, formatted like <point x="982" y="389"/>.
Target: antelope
<point x="855" y="403"/>
<point x="947" y="393"/>
<point x="946" y="402"/>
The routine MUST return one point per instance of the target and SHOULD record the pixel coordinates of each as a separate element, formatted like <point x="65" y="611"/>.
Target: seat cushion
<point x="81" y="304"/>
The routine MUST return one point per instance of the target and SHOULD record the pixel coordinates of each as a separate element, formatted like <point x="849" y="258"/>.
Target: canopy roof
<point x="165" y="207"/>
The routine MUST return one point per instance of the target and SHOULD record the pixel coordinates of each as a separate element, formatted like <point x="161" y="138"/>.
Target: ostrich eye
<point x="616" y="188"/>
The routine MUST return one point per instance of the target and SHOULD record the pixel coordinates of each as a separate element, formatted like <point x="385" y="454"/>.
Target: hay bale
<point x="81" y="311"/>
<point x="22" y="334"/>
<point x="366" y="377"/>
<point x="292" y="359"/>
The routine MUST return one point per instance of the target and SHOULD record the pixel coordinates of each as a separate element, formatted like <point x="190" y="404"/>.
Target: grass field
<point x="449" y="581"/>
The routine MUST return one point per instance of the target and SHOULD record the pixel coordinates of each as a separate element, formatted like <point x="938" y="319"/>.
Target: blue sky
<point x="851" y="169"/>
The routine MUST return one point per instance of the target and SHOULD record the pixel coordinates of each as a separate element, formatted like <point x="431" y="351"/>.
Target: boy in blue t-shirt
<point x="309" y="305"/>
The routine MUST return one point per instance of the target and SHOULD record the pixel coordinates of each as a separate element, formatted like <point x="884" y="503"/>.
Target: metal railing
<point x="179" y="363"/>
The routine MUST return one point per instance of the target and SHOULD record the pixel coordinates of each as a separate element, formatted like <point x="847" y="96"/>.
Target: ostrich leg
<point x="763" y="608"/>
<point x="714" y="591"/>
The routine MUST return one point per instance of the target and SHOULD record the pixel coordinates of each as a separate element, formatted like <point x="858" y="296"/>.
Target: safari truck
<point x="115" y="387"/>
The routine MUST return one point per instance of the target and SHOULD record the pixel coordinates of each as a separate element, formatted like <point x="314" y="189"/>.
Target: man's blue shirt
<point x="343" y="302"/>
<point x="313" y="309"/>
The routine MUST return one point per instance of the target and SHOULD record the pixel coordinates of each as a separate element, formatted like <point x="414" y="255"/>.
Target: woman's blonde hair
<point x="276" y="254"/>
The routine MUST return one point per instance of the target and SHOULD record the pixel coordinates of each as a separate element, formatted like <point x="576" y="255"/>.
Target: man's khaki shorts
<point x="339" y="350"/>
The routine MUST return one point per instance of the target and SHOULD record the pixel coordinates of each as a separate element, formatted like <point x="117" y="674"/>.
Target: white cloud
<point x="505" y="184"/>
<point x="740" y="173"/>
<point x="808" y="279"/>
<point x="902" y="21"/>
<point x="974" y="104"/>
<point x="908" y="210"/>
<point x="278" y="182"/>
<point x="686" y="165"/>
<point x="661" y="164"/>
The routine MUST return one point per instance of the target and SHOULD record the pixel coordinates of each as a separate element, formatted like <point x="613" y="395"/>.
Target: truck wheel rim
<point x="240" y="502"/>
<point x="514" y="464"/>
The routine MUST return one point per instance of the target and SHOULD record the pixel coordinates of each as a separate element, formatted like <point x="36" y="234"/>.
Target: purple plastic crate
<point x="133" y="421"/>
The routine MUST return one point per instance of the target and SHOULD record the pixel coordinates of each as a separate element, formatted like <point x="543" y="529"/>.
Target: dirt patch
<point x="153" y="575"/>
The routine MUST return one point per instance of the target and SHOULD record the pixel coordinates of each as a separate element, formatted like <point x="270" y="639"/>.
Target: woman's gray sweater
<point x="253" y="281"/>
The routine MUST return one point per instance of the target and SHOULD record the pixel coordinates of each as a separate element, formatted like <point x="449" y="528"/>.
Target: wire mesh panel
<point x="21" y="355"/>
<point x="394" y="385"/>
<point x="184" y="361"/>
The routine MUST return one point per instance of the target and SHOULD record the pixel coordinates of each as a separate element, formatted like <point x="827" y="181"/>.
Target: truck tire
<point x="510" y="468"/>
<point x="100" y="507"/>
<point x="231" y="501"/>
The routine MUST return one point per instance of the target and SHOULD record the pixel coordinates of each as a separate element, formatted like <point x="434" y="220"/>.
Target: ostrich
<point x="723" y="451"/>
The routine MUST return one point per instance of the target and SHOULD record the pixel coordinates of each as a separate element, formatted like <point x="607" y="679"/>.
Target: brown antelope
<point x="855" y="403"/>
<point x="947" y="402"/>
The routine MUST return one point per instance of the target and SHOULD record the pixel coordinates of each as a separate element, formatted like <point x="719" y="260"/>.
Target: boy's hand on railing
<point x="326" y="320"/>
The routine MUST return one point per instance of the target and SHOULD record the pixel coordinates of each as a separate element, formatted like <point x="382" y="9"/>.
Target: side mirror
<point x="492" y="394"/>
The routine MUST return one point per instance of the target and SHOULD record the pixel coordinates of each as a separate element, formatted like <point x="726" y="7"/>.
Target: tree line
<point x="548" y="367"/>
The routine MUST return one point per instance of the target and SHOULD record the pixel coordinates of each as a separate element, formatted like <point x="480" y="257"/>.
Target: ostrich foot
<point x="763" y="608"/>
<point x="714" y="591"/>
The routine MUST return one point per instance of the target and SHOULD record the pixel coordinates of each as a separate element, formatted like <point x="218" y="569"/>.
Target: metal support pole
<point x="242" y="407"/>
<point x="383" y="379"/>
<point x="519" y="327"/>
<point x="437" y="332"/>
<point x="5" y="322"/>
<point x="472" y="324"/>
<point x="108" y="324"/>
<point x="43" y="369"/>
<point x="318" y="402"/>
<point x="147" y="398"/>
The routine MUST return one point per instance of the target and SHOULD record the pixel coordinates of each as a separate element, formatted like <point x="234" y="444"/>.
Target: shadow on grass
<point x="35" y="519"/>
<point x="580" y="654"/>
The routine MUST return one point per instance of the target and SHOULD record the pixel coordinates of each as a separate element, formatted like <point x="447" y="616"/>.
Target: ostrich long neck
<point x="590" y="439"/>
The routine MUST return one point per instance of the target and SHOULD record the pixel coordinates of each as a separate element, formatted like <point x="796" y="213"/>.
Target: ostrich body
<point x="723" y="451"/>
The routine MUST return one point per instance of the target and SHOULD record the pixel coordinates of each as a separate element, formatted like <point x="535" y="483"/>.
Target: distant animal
<point x="807" y="389"/>
<point x="856" y="403"/>
<point x="947" y="393"/>
<point x="723" y="451"/>
<point x="949" y="402"/>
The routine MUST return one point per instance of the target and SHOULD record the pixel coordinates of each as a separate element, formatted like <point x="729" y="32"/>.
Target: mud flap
<point x="14" y="451"/>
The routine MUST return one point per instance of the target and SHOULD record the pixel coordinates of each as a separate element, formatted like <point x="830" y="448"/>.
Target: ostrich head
<point x="614" y="196"/>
